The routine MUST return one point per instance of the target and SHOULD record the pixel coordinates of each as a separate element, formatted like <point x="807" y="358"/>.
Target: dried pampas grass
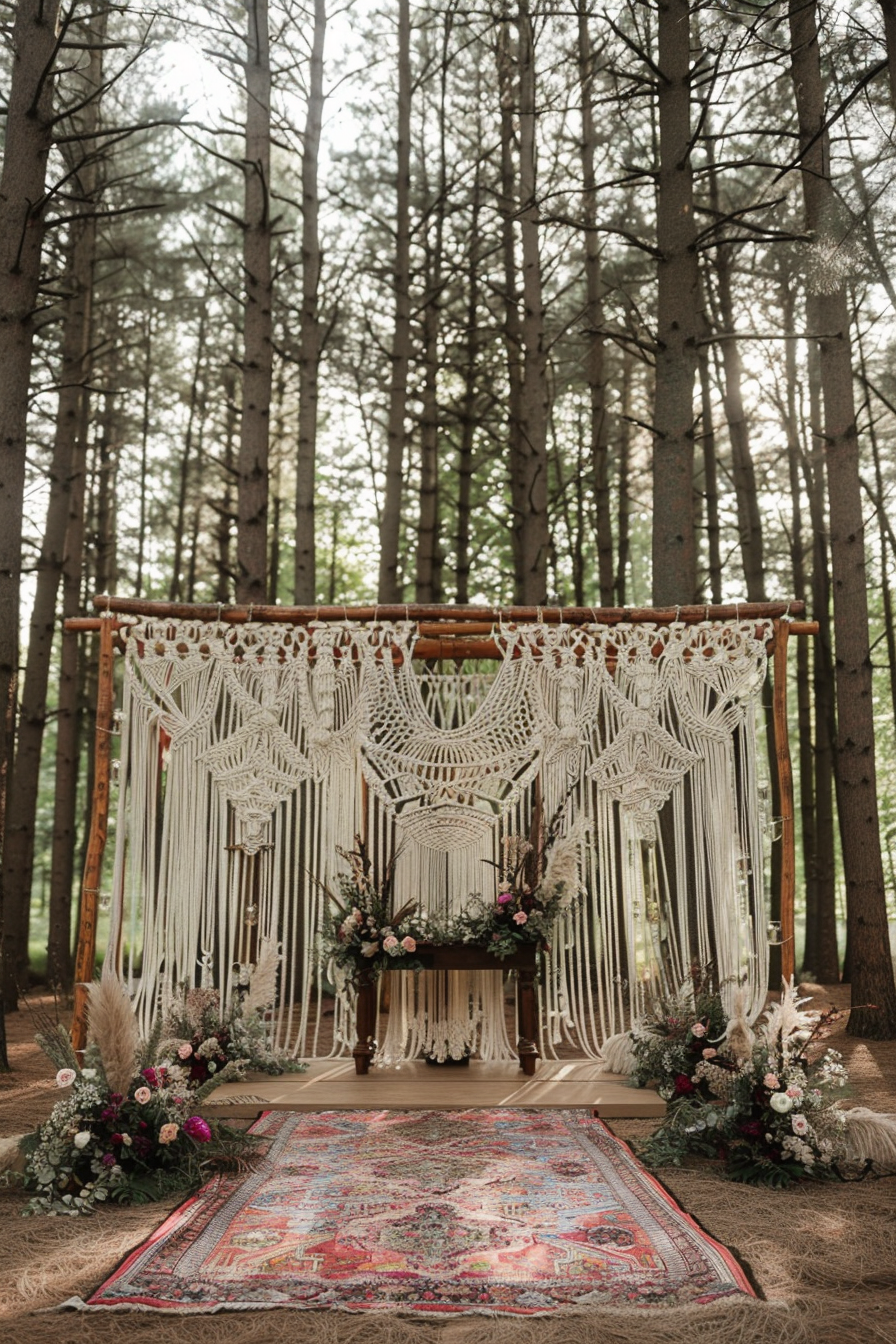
<point x="263" y="984"/>
<point x="871" y="1137"/>
<point x="740" y="1037"/>
<point x="112" y="1027"/>
<point x="617" y="1055"/>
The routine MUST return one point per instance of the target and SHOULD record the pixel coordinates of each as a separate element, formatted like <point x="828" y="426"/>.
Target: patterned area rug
<point x="493" y="1211"/>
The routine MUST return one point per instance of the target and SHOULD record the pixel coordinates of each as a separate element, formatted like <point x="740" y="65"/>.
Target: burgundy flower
<point x="197" y="1128"/>
<point x="683" y="1085"/>
<point x="752" y="1129"/>
<point x="108" y="1159"/>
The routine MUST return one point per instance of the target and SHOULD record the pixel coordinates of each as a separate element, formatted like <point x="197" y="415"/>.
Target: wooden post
<point x="85" y="954"/>
<point x="785" y="784"/>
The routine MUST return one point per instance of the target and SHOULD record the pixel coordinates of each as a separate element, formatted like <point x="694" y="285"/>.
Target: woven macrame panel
<point x="252" y="754"/>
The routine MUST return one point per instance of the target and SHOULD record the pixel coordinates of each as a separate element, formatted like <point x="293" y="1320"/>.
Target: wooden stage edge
<point x="333" y="1085"/>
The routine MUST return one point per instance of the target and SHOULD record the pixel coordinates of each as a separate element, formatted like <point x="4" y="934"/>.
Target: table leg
<point x="527" y="1022"/>
<point x="366" y="1024"/>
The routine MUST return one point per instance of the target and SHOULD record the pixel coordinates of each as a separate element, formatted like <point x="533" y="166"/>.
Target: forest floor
<point x="822" y="1255"/>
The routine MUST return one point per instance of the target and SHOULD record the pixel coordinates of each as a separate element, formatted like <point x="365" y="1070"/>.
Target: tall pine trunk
<point x="390" y="586"/>
<point x="872" y="969"/>
<point x="529" y="470"/>
<point x="29" y="125"/>
<point x="594" y="316"/>
<point x="258" y="349"/>
<point x="674" y="548"/>
<point x="310" y="328"/>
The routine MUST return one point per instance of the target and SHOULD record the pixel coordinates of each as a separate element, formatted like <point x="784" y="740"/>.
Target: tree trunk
<point x="594" y="316"/>
<point x="872" y="968"/>
<point x="529" y="472"/>
<point x="827" y="966"/>
<point x="258" y="350"/>
<point x="310" y="328"/>
<point x="468" y="401"/>
<point x="808" y="832"/>
<point x="191" y="453"/>
<point x="710" y="478"/>
<point x="674" y="545"/>
<point x="623" y="540"/>
<point x="428" y="579"/>
<point x="68" y="732"/>
<point x="224" y="528"/>
<point x="390" y="586"/>
<point x="29" y="123"/>
<point x="513" y="341"/>
<point x="742" y="469"/>
<point x="145" y="425"/>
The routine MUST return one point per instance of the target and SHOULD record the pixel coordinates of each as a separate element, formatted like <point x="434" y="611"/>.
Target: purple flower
<point x="505" y="898"/>
<point x="197" y="1128"/>
<point x="108" y="1159"/>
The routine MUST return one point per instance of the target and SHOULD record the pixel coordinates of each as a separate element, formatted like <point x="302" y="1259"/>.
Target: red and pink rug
<point x="495" y="1211"/>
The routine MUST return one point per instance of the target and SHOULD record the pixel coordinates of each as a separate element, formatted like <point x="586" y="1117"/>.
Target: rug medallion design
<point x="494" y="1211"/>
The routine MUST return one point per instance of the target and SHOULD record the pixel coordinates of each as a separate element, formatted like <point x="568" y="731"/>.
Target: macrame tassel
<point x="617" y="1055"/>
<point x="870" y="1137"/>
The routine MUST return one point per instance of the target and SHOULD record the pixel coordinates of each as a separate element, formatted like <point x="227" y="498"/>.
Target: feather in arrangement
<point x="785" y="1025"/>
<point x="112" y="1026"/>
<point x="870" y="1136"/>
<point x="263" y="984"/>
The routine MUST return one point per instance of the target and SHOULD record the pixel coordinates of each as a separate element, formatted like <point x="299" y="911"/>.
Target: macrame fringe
<point x="252" y="754"/>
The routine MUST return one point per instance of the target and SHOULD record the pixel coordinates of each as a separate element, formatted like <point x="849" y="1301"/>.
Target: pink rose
<point x="771" y="1081"/>
<point x="409" y="944"/>
<point x="391" y="941"/>
<point x="184" y="1051"/>
<point x="698" y="1029"/>
<point x="709" y="1053"/>
<point x="505" y="898"/>
<point x="168" y="1133"/>
<point x="65" y="1077"/>
<point x="794" y="1091"/>
<point x="143" y="1095"/>
<point x="520" y="917"/>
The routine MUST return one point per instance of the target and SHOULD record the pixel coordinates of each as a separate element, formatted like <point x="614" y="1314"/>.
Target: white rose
<point x="88" y="1073"/>
<point x="780" y="1102"/>
<point x="82" y="1138"/>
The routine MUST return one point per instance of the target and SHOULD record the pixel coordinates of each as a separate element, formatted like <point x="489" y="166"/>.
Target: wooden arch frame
<point x="445" y="632"/>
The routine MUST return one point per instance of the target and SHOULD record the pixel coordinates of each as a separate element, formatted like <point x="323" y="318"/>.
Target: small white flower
<point x="89" y="1074"/>
<point x="82" y="1138"/>
<point x="800" y="1125"/>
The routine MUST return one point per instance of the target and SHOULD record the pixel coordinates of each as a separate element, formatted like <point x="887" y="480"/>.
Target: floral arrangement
<point x="129" y="1127"/>
<point x="538" y="879"/>
<point x="365" y="929"/>
<point x="765" y="1102"/>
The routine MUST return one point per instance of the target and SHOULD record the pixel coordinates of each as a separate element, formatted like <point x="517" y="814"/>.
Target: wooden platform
<point x="416" y="1086"/>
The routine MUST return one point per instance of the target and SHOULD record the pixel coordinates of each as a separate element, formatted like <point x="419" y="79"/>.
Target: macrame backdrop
<point x="251" y="754"/>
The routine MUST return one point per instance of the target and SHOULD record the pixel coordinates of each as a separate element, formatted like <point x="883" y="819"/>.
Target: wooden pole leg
<point x="527" y="1021"/>
<point x="366" y="1024"/>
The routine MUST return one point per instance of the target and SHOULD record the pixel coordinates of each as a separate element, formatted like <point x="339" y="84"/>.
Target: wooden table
<point x="456" y="957"/>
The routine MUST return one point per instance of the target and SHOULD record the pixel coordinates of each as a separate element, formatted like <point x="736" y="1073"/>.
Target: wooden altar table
<point x="456" y="957"/>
